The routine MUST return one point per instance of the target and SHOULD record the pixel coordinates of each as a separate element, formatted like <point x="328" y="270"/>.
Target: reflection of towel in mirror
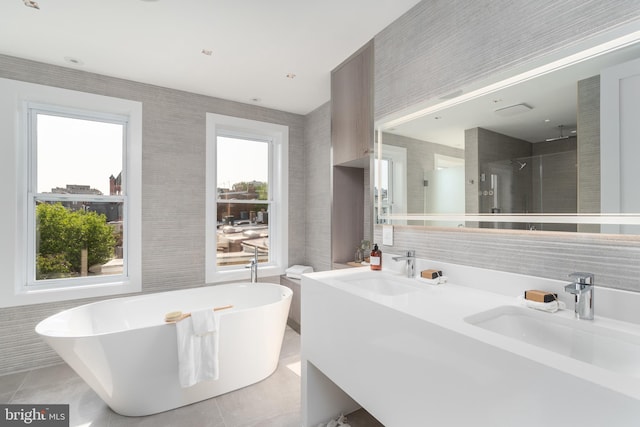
<point x="198" y="347"/>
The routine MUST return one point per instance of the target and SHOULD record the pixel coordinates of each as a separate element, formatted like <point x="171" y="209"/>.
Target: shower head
<point x="521" y="165"/>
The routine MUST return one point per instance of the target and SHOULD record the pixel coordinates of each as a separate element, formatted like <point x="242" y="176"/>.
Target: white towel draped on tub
<point x="198" y="347"/>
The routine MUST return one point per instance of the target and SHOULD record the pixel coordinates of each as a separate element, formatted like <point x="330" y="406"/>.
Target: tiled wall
<point x="173" y="188"/>
<point x="481" y="147"/>
<point x="440" y="46"/>
<point x="589" y="147"/>
<point x="554" y="177"/>
<point x="553" y="255"/>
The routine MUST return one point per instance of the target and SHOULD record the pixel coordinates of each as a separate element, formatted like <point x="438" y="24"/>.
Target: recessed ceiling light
<point x="547" y="120"/>
<point x="291" y="76"/>
<point x="72" y="60"/>
<point x="31" y="3"/>
<point x="512" y="110"/>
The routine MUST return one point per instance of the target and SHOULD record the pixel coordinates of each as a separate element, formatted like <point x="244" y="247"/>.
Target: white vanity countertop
<point x="447" y="305"/>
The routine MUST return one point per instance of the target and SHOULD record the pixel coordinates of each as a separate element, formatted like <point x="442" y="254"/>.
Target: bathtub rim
<point x="287" y="293"/>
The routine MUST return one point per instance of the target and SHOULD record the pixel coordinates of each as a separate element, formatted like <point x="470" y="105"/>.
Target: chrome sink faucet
<point x="582" y="289"/>
<point x="410" y="257"/>
<point x="253" y="265"/>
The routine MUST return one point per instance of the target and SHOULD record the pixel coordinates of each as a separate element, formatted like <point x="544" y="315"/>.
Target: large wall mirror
<point x="556" y="148"/>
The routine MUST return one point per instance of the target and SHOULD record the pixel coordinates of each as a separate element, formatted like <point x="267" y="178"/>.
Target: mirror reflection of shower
<point x="525" y="185"/>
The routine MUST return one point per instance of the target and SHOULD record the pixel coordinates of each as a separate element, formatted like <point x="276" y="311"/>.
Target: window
<point x="246" y="197"/>
<point x="382" y="195"/>
<point x="391" y="176"/>
<point x="75" y="170"/>
<point x="76" y="200"/>
<point x="243" y="200"/>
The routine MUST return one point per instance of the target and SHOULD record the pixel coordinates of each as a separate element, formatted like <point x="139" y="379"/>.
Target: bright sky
<point x="74" y="151"/>
<point x="241" y="160"/>
<point x="384" y="174"/>
<point x="84" y="152"/>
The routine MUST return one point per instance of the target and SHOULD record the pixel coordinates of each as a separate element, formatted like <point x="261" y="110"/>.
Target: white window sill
<point x="244" y="274"/>
<point x="25" y="296"/>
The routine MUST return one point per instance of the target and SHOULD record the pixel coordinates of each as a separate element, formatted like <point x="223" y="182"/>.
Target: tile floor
<point x="274" y="402"/>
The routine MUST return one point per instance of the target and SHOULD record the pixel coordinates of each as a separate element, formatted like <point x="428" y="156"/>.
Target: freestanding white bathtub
<point x="127" y="353"/>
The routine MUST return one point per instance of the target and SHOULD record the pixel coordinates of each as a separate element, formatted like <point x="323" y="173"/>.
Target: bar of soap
<point x="540" y="296"/>
<point x="430" y="274"/>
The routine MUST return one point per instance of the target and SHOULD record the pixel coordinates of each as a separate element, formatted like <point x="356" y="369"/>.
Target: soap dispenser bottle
<point x="376" y="258"/>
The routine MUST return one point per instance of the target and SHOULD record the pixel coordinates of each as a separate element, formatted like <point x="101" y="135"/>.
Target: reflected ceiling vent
<point x="562" y="135"/>
<point x="512" y="110"/>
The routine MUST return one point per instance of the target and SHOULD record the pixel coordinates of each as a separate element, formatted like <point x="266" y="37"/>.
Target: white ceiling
<point x="254" y="43"/>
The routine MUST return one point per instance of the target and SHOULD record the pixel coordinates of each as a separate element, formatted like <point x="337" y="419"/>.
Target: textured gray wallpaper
<point x="317" y="162"/>
<point x="440" y="46"/>
<point x="173" y="189"/>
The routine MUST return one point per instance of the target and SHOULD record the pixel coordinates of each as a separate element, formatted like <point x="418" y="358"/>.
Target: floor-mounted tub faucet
<point x="410" y="257"/>
<point x="582" y="289"/>
<point x="253" y="265"/>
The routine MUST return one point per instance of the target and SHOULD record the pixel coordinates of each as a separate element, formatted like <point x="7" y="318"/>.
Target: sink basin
<point x="379" y="284"/>
<point x="608" y="348"/>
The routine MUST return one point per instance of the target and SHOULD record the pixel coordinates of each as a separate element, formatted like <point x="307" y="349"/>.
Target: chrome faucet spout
<point x="582" y="289"/>
<point x="253" y="265"/>
<point x="410" y="257"/>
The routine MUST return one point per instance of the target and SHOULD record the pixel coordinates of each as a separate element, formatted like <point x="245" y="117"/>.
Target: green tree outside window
<point x="61" y="234"/>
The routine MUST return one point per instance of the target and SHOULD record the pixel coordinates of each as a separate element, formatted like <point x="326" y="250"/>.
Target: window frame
<point x="19" y="223"/>
<point x="277" y="137"/>
<point x="31" y="112"/>
<point x="272" y="207"/>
